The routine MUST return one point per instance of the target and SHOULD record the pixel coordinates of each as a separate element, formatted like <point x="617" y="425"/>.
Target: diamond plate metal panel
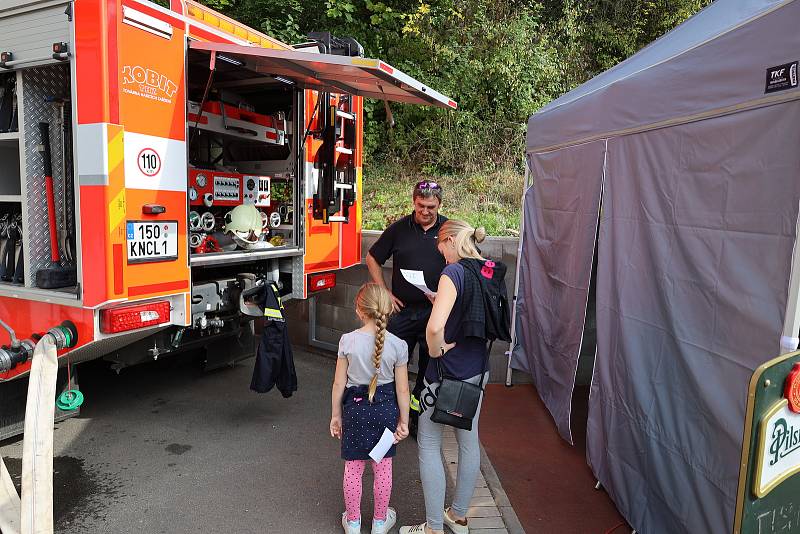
<point x="40" y="85"/>
<point x="298" y="278"/>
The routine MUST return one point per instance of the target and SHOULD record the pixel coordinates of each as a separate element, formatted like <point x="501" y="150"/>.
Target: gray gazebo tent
<point x="682" y="166"/>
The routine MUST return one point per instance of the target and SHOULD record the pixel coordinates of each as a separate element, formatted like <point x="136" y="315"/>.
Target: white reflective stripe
<point x="37" y="447"/>
<point x="92" y="153"/>
<point x="312" y="177"/>
<point x="171" y="163"/>
<point x="145" y="22"/>
<point x="174" y="14"/>
<point x="9" y="503"/>
<point x="274" y="314"/>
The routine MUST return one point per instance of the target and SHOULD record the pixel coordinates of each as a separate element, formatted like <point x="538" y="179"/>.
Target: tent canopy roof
<point x="714" y="60"/>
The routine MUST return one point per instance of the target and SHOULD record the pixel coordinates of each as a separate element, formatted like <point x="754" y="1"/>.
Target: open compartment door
<point x="369" y="78"/>
<point x="330" y="130"/>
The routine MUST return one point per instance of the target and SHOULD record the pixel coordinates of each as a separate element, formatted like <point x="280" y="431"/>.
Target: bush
<point x="491" y="200"/>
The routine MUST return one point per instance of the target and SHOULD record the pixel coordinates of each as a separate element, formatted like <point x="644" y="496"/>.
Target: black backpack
<point x="491" y="279"/>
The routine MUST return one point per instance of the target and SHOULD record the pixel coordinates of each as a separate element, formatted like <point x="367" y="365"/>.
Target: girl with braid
<point x="370" y="394"/>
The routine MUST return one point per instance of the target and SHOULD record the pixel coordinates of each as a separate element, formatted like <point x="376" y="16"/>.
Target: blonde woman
<point x="370" y="393"/>
<point x="456" y="336"/>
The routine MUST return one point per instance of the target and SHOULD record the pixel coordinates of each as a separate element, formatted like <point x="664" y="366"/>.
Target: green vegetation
<point x="500" y="60"/>
<point x="491" y="199"/>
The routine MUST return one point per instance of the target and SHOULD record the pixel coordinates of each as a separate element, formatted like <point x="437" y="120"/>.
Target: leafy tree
<point x="500" y="60"/>
<point x="595" y="35"/>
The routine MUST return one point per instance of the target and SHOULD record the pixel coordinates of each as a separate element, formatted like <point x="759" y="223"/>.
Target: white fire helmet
<point x="243" y="223"/>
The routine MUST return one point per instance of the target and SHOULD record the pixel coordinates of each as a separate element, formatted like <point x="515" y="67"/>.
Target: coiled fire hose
<point x="33" y="512"/>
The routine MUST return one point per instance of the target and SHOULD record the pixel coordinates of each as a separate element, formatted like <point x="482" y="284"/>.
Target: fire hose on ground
<point x="32" y="512"/>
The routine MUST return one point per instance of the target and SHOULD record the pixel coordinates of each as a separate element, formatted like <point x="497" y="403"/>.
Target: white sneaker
<point x="350" y="527"/>
<point x="385" y="525"/>
<point x="415" y="529"/>
<point x="456" y="526"/>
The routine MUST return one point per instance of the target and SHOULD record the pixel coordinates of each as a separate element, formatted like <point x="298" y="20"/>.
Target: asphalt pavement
<point x="168" y="448"/>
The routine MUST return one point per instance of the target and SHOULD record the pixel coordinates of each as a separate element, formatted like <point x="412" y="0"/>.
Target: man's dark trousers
<point x="409" y="325"/>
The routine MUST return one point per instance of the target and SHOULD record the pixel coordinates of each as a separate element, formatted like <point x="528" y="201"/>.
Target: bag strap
<point x="486" y="362"/>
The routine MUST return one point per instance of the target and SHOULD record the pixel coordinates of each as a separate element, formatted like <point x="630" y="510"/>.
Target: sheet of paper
<point x="416" y="279"/>
<point x="379" y="451"/>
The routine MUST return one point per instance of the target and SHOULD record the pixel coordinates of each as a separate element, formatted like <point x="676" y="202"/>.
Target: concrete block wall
<point x="335" y="314"/>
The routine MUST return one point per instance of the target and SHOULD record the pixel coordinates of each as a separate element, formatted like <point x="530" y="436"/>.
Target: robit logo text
<point x="148" y="83"/>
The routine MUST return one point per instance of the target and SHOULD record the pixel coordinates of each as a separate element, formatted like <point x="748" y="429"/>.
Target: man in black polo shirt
<point x="411" y="243"/>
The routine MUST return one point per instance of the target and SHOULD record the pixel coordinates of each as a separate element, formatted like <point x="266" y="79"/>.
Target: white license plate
<point x="150" y="241"/>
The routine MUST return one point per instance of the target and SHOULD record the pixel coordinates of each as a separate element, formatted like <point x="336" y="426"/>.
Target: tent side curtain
<point x="561" y="213"/>
<point x="720" y="75"/>
<point x="695" y="248"/>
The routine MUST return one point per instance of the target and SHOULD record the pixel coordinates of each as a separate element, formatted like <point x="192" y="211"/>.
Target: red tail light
<point x="126" y="318"/>
<point x="318" y="282"/>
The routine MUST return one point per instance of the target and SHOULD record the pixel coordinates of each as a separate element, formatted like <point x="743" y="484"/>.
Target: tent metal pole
<point x="791" y="322"/>
<point x="516" y="277"/>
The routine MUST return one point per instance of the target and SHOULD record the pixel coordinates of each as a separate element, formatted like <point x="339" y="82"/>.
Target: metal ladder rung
<point x="344" y="115"/>
<point x="343" y="150"/>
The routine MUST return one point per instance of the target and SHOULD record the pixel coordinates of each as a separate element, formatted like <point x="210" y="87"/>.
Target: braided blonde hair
<point x="374" y="302"/>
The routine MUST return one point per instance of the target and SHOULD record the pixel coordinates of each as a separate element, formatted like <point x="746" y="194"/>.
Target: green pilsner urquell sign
<point x="768" y="500"/>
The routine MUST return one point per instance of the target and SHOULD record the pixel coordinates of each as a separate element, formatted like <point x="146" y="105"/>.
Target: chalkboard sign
<point x="768" y="500"/>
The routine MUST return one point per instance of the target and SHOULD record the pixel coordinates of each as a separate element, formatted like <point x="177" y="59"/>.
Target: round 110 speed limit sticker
<point x="149" y="162"/>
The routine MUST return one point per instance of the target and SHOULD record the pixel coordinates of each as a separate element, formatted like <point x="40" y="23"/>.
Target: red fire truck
<point x="157" y="163"/>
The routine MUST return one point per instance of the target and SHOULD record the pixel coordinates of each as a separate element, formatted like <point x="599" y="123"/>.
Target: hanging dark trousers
<point x="274" y="360"/>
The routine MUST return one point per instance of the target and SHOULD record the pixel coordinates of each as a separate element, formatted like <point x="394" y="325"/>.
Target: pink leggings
<point x="382" y="487"/>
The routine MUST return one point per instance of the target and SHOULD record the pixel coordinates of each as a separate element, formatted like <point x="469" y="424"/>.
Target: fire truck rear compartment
<point x="242" y="179"/>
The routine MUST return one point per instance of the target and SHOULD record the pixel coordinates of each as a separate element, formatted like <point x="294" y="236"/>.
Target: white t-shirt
<point x="358" y="347"/>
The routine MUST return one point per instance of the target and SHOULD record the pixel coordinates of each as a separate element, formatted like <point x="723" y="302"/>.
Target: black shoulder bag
<point x="457" y="400"/>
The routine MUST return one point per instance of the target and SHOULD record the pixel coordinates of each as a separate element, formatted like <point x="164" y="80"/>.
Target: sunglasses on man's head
<point x="427" y="185"/>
